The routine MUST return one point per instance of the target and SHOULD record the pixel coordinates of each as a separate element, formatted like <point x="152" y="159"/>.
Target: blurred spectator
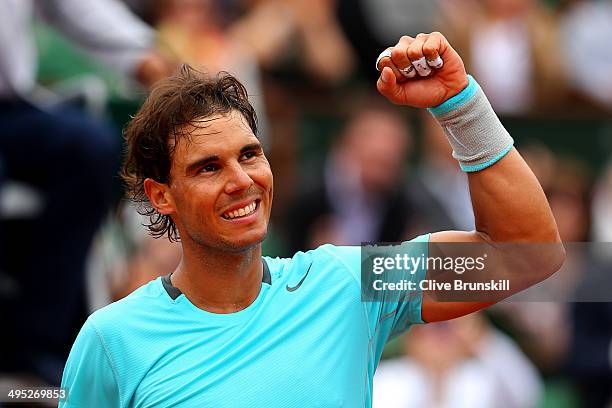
<point x="458" y="363"/>
<point x="589" y="359"/>
<point x="302" y="30"/>
<point x="151" y="259"/>
<point x="570" y="199"/>
<point x="542" y="162"/>
<point x="586" y="30"/>
<point x="590" y="355"/>
<point x="67" y="157"/>
<point x="362" y="196"/>
<point x="513" y="48"/>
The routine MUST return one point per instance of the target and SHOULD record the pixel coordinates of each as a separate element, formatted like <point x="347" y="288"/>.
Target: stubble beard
<point x="219" y="244"/>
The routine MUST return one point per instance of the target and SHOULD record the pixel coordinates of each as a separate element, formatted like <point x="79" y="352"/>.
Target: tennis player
<point x="230" y="328"/>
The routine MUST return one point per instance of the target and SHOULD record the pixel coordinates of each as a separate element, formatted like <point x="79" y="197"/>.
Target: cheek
<point x="270" y="182"/>
<point x="270" y="191"/>
<point x="263" y="177"/>
<point x="197" y="203"/>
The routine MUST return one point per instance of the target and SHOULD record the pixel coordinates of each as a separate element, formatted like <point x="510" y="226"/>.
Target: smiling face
<point x="220" y="189"/>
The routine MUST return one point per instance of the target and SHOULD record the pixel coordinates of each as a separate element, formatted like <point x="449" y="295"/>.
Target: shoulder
<point x="134" y="306"/>
<point x="124" y="329"/>
<point x="326" y="259"/>
<point x="109" y="356"/>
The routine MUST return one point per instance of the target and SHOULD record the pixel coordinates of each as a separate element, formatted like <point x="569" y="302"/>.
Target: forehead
<point x="216" y="135"/>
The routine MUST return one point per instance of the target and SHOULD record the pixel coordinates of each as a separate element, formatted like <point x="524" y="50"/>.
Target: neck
<point x="219" y="281"/>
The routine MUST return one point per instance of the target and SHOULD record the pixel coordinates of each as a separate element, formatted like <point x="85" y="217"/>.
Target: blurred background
<point x="349" y="167"/>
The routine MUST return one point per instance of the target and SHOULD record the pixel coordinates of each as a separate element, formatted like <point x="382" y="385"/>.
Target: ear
<point x="159" y="196"/>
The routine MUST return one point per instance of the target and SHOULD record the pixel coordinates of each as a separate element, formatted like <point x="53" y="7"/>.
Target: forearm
<point x="509" y="204"/>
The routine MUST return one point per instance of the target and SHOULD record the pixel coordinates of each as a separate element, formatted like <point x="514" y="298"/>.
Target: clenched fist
<point x="421" y="72"/>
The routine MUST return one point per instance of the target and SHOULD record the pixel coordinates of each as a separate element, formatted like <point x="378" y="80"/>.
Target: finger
<point x="385" y="54"/>
<point x="388" y="62"/>
<point x="416" y="56"/>
<point x="400" y="57"/>
<point x="432" y="47"/>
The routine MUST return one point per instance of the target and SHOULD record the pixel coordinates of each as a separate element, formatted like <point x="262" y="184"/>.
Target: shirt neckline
<point x="177" y="297"/>
<point x="175" y="292"/>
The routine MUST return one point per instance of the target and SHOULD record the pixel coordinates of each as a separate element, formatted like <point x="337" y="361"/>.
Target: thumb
<point x="386" y="83"/>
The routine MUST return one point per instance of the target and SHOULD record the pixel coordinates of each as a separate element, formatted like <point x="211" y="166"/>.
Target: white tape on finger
<point x="408" y="72"/>
<point x="436" y="63"/>
<point x="421" y="67"/>
<point x="385" y="54"/>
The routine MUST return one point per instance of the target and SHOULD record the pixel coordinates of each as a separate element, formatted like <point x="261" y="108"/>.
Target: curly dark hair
<point x="185" y="98"/>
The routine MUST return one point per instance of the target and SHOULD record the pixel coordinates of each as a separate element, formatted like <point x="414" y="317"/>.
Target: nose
<point x="238" y="179"/>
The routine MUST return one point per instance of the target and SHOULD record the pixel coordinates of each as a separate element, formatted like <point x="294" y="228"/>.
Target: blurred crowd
<point x="349" y="167"/>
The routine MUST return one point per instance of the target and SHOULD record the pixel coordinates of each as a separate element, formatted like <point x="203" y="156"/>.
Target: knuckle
<point x="430" y="49"/>
<point x="397" y="53"/>
<point x="439" y="36"/>
<point x="414" y="53"/>
<point x="385" y="62"/>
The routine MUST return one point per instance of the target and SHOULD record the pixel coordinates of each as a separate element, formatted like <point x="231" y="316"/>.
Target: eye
<point x="210" y="168"/>
<point x="249" y="155"/>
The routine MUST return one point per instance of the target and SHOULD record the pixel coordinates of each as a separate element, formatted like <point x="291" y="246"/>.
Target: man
<point x="71" y="160"/>
<point x="360" y="196"/>
<point x="229" y="328"/>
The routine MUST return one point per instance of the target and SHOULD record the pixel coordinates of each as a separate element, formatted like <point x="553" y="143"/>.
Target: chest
<point x="313" y="355"/>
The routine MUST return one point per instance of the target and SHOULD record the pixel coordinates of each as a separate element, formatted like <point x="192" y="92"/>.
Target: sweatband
<point x="473" y="129"/>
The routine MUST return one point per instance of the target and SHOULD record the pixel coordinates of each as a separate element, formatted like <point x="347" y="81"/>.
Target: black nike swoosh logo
<point x="296" y="287"/>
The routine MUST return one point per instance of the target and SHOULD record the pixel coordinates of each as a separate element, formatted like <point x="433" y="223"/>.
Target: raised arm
<point x="107" y="30"/>
<point x="508" y="201"/>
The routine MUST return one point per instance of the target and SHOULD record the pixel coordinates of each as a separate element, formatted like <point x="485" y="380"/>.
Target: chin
<point x="250" y="241"/>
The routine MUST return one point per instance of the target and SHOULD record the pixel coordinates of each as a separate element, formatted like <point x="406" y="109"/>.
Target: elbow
<point x="557" y="251"/>
<point x="549" y="256"/>
<point x="538" y="262"/>
<point x="544" y="255"/>
<point x="556" y="259"/>
<point x="549" y="253"/>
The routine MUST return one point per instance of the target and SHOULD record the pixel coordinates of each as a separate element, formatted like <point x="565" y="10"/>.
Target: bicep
<point x="435" y="310"/>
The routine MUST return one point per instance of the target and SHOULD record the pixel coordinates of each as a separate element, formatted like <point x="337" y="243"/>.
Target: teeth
<point x="241" y="212"/>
